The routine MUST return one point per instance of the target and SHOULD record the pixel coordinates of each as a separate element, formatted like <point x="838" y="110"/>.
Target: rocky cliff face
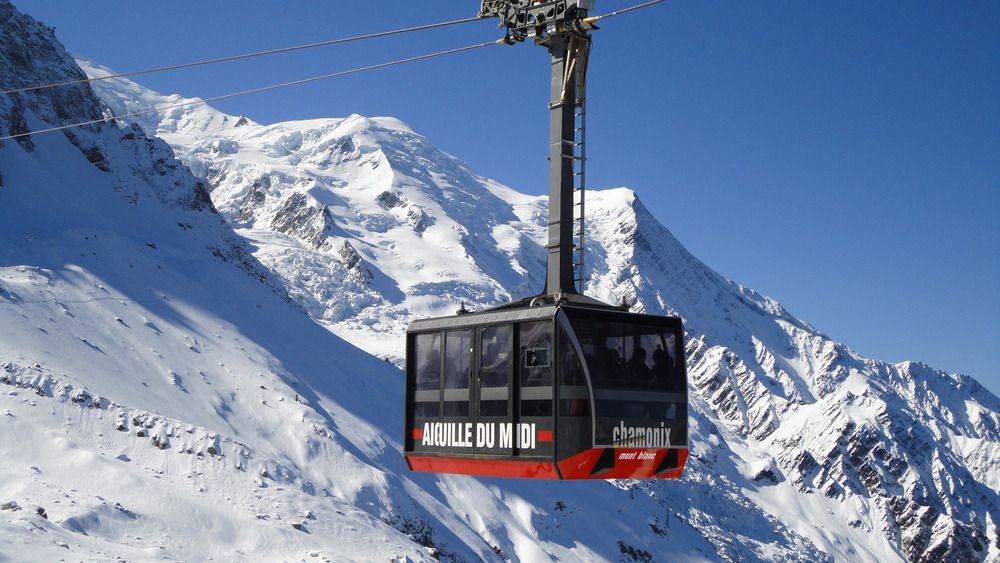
<point x="140" y="168"/>
<point x="30" y="57"/>
<point x="902" y="453"/>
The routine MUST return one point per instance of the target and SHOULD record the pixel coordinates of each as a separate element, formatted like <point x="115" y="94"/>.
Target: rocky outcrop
<point x="296" y="217"/>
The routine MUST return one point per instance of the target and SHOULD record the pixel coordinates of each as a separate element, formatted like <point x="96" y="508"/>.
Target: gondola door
<point x="493" y="388"/>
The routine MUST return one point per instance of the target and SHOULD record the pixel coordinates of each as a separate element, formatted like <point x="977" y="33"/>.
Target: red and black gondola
<point x="573" y="390"/>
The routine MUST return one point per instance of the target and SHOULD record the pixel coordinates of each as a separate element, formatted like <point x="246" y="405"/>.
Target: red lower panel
<point x="484" y="467"/>
<point x="682" y="456"/>
<point x="629" y="463"/>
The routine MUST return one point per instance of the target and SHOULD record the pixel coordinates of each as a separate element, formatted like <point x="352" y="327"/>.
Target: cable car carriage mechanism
<point x="558" y="386"/>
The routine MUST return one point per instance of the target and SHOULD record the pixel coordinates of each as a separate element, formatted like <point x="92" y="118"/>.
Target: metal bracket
<point x="538" y="19"/>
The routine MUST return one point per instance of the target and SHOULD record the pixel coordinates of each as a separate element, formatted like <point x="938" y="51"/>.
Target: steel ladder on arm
<point x="580" y="168"/>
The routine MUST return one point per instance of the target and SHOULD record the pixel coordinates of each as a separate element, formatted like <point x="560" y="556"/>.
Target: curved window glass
<point x="428" y="361"/>
<point x="630" y="356"/>
<point x="536" y="363"/>
<point x="636" y="367"/>
<point x="574" y="398"/>
<point x="496" y="346"/>
<point x="428" y="376"/>
<point x="458" y="359"/>
<point x="457" y="370"/>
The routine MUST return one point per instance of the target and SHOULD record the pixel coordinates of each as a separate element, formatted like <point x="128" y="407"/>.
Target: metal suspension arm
<point x="561" y="27"/>
<point x="569" y="57"/>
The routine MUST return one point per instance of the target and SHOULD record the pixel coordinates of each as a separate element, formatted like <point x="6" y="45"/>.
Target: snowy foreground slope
<point x="162" y="398"/>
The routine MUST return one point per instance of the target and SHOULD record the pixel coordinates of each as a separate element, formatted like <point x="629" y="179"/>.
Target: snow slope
<point x="162" y="398"/>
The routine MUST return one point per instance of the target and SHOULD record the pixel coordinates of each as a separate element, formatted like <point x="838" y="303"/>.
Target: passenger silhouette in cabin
<point x="638" y="368"/>
<point x="613" y="372"/>
<point x="663" y="368"/>
<point x="457" y="366"/>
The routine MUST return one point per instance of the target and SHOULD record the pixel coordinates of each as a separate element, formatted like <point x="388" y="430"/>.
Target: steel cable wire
<point x="243" y="56"/>
<point x="257" y="90"/>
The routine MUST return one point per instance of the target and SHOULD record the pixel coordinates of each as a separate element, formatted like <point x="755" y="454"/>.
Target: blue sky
<point x="843" y="158"/>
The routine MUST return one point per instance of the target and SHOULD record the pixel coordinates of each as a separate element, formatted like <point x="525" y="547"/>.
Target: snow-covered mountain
<point x="370" y="225"/>
<point x="162" y="398"/>
<point x="367" y="222"/>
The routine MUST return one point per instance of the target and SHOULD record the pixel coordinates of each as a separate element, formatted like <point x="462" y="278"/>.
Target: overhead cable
<point x="594" y="19"/>
<point x="260" y="89"/>
<point x="244" y="56"/>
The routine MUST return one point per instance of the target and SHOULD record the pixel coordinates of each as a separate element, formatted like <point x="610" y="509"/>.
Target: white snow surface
<point x="172" y="391"/>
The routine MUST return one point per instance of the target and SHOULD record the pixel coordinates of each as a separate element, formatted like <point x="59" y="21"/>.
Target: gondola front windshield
<point x="636" y="367"/>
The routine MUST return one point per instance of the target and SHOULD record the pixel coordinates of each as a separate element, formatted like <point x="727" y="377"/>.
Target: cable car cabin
<point x="564" y="391"/>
